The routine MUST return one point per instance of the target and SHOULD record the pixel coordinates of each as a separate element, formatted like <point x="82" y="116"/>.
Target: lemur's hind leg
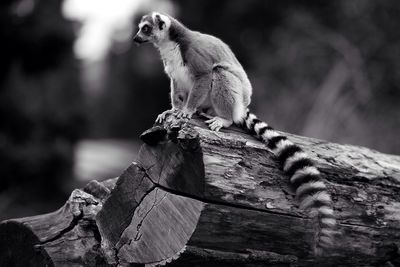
<point x="226" y="98"/>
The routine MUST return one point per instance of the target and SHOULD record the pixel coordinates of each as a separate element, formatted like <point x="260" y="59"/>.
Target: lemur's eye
<point x="146" y="29"/>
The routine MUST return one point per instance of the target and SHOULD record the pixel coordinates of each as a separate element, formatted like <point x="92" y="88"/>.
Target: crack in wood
<point x="131" y="214"/>
<point x="76" y="207"/>
<point x="210" y="201"/>
<point x="155" y="204"/>
<point x="360" y="225"/>
<point x="223" y="203"/>
<point x="238" y="206"/>
<point x="74" y="222"/>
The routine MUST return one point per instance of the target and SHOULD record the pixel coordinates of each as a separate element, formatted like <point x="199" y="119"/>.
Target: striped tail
<point x="311" y="191"/>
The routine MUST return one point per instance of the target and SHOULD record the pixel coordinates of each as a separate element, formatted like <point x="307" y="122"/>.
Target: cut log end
<point x="160" y="229"/>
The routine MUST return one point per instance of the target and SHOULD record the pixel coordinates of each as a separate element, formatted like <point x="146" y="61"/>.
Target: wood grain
<point x="202" y="198"/>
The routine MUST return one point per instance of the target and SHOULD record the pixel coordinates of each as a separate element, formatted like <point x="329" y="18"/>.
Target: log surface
<point x="202" y="198"/>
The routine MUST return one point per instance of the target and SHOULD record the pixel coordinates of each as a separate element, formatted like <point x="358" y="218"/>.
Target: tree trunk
<point x="202" y="198"/>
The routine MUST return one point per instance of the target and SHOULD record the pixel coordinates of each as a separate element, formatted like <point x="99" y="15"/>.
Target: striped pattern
<point x="311" y="191"/>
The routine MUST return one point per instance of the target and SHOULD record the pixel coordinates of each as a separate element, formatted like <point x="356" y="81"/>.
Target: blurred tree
<point x="41" y="104"/>
<point x="136" y="90"/>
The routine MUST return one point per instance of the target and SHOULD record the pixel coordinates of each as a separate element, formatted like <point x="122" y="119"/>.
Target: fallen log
<point x="66" y="237"/>
<point x="202" y="198"/>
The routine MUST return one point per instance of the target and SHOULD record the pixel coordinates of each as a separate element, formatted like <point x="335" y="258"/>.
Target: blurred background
<point x="75" y="93"/>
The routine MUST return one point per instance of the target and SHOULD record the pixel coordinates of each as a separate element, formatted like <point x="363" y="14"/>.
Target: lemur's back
<point x="211" y="49"/>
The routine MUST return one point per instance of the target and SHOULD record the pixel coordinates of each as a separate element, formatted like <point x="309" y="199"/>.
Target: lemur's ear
<point x="160" y="22"/>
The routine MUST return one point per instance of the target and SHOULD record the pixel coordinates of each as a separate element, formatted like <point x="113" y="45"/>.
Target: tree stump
<point x="201" y="198"/>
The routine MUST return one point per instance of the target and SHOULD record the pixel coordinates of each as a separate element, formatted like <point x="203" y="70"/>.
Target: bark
<point x="202" y="198"/>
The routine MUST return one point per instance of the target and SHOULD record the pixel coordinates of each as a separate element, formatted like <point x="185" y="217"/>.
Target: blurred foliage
<point x="41" y="103"/>
<point x="326" y="69"/>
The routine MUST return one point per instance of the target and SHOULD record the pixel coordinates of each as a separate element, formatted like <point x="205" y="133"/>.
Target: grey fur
<point x="220" y="78"/>
<point x="206" y="76"/>
<point x="219" y="83"/>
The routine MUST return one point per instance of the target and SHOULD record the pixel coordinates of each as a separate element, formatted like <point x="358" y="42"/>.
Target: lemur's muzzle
<point x="139" y="40"/>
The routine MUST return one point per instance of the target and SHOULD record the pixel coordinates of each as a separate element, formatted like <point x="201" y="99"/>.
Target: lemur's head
<point x="153" y="28"/>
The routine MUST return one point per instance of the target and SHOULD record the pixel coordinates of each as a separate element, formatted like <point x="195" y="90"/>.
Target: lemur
<point x="205" y="76"/>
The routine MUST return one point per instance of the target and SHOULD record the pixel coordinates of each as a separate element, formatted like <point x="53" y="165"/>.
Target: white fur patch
<point x="164" y="18"/>
<point x="295" y="157"/>
<point x="308" y="202"/>
<point x="326" y="234"/>
<point x="141" y="24"/>
<point x="239" y="112"/>
<point x="325" y="210"/>
<point x="316" y="185"/>
<point x="249" y="120"/>
<point x="281" y="145"/>
<point x="173" y="65"/>
<point x="268" y="134"/>
<point x="304" y="171"/>
<point x="259" y="126"/>
<point x="329" y="221"/>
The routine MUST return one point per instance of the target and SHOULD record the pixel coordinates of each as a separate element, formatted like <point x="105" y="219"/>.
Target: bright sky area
<point x="104" y="21"/>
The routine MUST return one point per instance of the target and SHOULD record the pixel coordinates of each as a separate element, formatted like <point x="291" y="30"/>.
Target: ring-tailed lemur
<point x="206" y="76"/>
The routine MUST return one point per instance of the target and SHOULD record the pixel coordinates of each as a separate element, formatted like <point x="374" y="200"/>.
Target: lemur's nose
<point x="137" y="39"/>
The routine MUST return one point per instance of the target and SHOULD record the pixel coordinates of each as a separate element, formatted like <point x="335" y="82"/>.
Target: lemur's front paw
<point x="216" y="123"/>
<point x="162" y="116"/>
<point x="184" y="114"/>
